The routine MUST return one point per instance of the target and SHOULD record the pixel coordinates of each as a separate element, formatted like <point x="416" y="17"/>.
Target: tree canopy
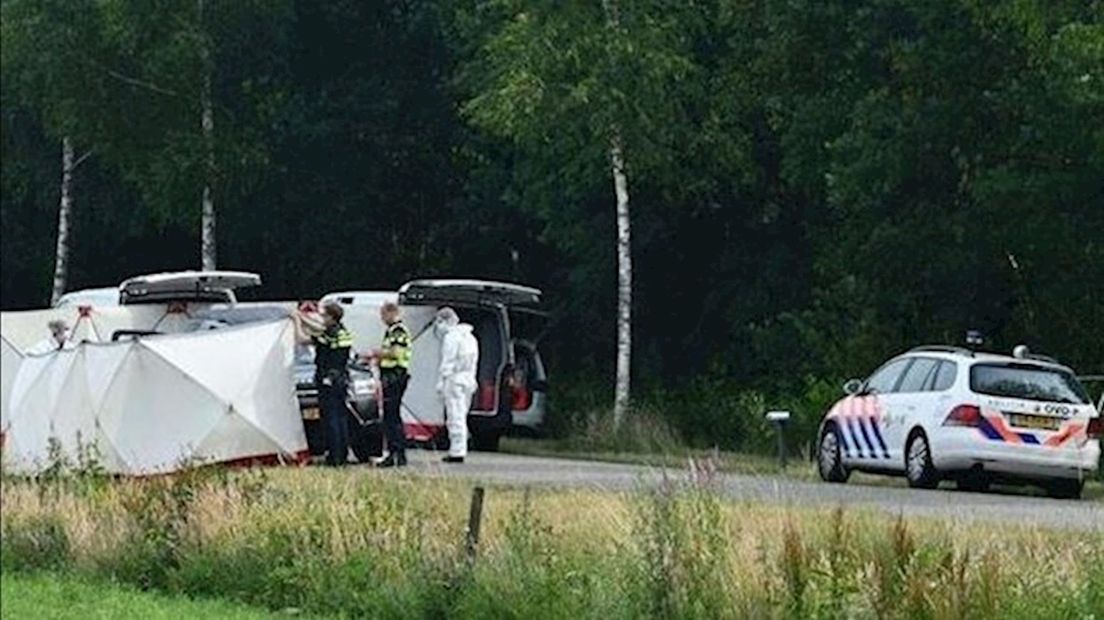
<point x="816" y="184"/>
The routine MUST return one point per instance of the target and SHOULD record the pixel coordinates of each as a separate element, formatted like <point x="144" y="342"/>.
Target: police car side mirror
<point x="852" y="387"/>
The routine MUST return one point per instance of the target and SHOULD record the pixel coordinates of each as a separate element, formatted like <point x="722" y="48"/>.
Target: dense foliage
<point x="816" y="184"/>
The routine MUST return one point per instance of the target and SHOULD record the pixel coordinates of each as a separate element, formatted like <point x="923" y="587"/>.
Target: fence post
<point x="475" y="520"/>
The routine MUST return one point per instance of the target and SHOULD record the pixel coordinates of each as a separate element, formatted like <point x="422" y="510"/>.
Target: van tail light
<point x="963" y="415"/>
<point x="523" y="398"/>
<point x="1095" y="429"/>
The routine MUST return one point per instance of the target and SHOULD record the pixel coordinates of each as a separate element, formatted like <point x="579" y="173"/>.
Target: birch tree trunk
<point x="209" y="257"/>
<point x="65" y="207"/>
<point x="208" y="248"/>
<point x="622" y="395"/>
<point x="622" y="392"/>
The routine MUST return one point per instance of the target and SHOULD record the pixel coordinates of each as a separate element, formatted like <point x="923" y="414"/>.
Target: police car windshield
<point x="1027" y="382"/>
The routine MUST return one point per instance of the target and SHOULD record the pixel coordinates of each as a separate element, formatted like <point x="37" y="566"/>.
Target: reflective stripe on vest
<point x="343" y="339"/>
<point x="397" y="342"/>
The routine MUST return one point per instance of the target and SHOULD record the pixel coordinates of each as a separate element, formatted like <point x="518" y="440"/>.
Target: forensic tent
<point x="23" y="331"/>
<point x="158" y="403"/>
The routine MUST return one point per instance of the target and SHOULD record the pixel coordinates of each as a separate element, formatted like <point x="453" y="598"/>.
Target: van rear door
<point x="488" y="306"/>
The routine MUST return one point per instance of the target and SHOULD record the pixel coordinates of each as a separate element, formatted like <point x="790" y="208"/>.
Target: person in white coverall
<point x="456" y="381"/>
<point x="58" y="340"/>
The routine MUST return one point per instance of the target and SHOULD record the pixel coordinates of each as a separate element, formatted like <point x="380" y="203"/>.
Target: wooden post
<point x="475" y="520"/>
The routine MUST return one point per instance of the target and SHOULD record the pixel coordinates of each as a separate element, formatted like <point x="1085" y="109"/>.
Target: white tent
<point x="423" y="410"/>
<point x="21" y="331"/>
<point x="154" y="404"/>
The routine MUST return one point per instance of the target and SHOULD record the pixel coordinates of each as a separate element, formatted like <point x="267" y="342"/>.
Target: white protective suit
<point x="457" y="382"/>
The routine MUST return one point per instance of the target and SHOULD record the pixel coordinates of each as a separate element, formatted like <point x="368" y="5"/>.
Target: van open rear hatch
<point x="186" y="286"/>
<point x="468" y="292"/>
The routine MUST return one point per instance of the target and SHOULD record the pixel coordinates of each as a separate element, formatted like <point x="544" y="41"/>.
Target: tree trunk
<point x="208" y="248"/>
<point x="65" y="207"/>
<point x="622" y="392"/>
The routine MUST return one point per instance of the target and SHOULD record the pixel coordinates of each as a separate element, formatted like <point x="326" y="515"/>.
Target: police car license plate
<point x="1040" y="422"/>
<point x="311" y="413"/>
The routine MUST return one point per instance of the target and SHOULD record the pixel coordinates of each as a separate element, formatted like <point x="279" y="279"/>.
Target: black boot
<point x="453" y="459"/>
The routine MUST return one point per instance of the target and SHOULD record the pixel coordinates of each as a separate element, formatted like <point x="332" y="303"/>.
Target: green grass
<point x="64" y="597"/>
<point x="363" y="543"/>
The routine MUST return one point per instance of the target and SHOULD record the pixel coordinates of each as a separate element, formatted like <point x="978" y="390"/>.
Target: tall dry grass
<point x="360" y="544"/>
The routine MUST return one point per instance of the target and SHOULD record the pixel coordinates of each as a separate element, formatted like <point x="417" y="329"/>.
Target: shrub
<point x="34" y="542"/>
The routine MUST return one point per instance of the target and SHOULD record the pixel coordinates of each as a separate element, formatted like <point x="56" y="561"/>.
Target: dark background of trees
<point x="843" y="180"/>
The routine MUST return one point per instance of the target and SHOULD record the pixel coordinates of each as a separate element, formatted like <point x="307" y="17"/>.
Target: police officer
<point x="394" y="362"/>
<point x="331" y="375"/>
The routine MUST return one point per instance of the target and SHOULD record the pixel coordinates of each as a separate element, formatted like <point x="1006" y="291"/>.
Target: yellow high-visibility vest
<point x="396" y="341"/>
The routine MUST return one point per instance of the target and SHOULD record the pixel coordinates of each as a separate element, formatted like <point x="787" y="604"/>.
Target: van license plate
<point x="1040" y="422"/>
<point x="311" y="413"/>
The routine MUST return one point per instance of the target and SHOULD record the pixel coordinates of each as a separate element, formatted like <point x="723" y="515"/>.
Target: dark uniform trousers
<point x="331" y="400"/>
<point x="394" y="386"/>
<point x="331" y="351"/>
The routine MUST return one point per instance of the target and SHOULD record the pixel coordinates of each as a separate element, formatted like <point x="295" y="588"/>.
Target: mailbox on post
<point x="779" y="419"/>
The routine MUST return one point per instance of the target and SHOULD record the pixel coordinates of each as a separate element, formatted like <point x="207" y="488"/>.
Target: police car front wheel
<point x="829" y="463"/>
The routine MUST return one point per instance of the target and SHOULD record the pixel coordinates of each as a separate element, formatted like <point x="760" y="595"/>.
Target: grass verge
<point x="367" y="544"/>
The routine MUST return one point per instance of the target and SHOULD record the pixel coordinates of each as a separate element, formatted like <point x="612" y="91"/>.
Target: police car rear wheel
<point x="1065" y="489"/>
<point x="919" y="470"/>
<point x="829" y="462"/>
<point x="974" y="482"/>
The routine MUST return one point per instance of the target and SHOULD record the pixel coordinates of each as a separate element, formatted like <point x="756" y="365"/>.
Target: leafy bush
<point x="34" y="542"/>
<point x="709" y="412"/>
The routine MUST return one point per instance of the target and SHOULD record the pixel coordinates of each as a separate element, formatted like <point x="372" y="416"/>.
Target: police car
<point x="940" y="412"/>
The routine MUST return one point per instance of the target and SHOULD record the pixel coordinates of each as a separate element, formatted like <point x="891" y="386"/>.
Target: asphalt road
<point x="507" y="469"/>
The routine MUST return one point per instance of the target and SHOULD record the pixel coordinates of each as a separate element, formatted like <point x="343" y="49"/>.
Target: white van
<point x="169" y="287"/>
<point x="511" y="376"/>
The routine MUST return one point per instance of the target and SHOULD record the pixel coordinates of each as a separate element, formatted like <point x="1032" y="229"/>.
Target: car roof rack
<point x="942" y="348"/>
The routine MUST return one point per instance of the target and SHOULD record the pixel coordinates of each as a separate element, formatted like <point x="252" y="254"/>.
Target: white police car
<point x="945" y="412"/>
